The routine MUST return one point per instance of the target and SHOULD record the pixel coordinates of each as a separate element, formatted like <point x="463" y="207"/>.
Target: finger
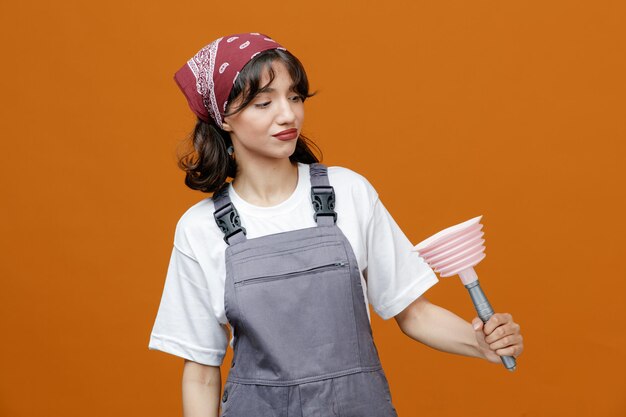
<point x="496" y="320"/>
<point x="477" y="324"/>
<point x="506" y="342"/>
<point x="503" y="331"/>
<point x="514" y="351"/>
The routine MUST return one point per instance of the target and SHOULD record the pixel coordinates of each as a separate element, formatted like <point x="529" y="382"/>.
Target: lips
<point x="287" y="134"/>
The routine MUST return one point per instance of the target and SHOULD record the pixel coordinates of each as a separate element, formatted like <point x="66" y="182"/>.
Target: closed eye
<point x="295" y="99"/>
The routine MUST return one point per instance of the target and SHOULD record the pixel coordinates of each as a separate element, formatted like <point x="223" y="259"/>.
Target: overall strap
<point x="322" y="196"/>
<point x="226" y="216"/>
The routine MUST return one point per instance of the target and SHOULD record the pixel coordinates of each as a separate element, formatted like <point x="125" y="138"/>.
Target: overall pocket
<point x="298" y="305"/>
<point x="288" y="275"/>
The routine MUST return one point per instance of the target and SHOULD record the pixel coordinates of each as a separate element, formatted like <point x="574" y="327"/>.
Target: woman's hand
<point x="500" y="336"/>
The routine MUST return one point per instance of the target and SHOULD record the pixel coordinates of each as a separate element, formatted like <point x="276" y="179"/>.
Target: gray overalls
<point x="302" y="340"/>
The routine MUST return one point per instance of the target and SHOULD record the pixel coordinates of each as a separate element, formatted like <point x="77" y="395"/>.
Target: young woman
<point x="288" y="255"/>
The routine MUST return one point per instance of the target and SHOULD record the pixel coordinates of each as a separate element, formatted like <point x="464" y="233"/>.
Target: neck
<point x="266" y="183"/>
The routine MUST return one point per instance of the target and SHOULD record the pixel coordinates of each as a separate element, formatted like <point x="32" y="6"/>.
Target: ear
<point x="226" y="127"/>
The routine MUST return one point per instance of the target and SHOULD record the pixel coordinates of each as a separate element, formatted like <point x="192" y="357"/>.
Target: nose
<point x="286" y="115"/>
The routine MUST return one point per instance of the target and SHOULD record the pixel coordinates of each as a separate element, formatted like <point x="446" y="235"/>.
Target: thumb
<point x="477" y="324"/>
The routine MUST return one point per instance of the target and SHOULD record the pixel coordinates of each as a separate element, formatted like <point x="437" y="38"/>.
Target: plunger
<point x="455" y="251"/>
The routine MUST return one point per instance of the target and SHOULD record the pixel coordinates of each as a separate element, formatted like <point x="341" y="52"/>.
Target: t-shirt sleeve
<point x="186" y="324"/>
<point x="396" y="276"/>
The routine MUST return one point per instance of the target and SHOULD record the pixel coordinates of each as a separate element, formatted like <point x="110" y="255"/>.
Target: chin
<point x="288" y="151"/>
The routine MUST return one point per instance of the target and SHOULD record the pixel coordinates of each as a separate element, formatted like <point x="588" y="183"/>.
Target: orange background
<point x="512" y="110"/>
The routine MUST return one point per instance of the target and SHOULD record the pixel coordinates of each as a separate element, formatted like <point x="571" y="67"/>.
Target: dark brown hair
<point x="206" y="161"/>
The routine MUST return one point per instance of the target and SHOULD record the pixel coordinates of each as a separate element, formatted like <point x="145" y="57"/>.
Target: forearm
<point x="201" y="386"/>
<point x="438" y="328"/>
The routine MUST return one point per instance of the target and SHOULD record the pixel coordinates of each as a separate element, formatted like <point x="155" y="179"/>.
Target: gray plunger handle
<point x="484" y="310"/>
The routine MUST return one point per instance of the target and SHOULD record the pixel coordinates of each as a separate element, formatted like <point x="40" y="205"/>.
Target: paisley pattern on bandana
<point x="202" y="65"/>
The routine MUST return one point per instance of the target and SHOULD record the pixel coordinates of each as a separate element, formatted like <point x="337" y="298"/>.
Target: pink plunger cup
<point x="455" y="251"/>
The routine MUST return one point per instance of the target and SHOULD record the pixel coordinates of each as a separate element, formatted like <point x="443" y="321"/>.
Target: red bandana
<point x="208" y="77"/>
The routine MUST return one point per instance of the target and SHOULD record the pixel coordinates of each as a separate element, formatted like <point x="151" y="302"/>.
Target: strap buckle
<point x="228" y="221"/>
<point x="323" y="198"/>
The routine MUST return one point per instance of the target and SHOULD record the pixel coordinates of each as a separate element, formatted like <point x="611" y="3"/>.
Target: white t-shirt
<point x="191" y="321"/>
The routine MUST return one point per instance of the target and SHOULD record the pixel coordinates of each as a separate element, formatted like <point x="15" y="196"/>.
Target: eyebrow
<point x="272" y="89"/>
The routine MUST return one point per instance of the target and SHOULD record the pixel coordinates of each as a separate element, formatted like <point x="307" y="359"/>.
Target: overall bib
<point x="302" y="340"/>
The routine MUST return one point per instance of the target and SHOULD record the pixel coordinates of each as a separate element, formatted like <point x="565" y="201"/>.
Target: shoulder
<point x="347" y="180"/>
<point x="196" y="225"/>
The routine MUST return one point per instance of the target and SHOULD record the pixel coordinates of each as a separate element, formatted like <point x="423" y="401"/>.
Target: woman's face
<point x="275" y="109"/>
